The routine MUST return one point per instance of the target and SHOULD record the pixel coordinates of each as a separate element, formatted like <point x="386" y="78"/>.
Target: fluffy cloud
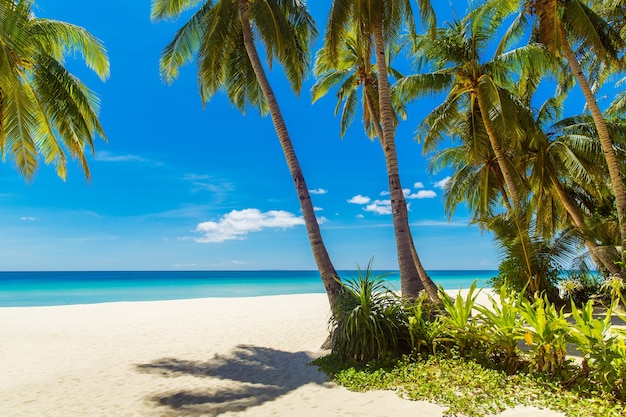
<point x="379" y="207"/>
<point x="418" y="185"/>
<point x="318" y="209"/>
<point x="319" y="191"/>
<point x="359" y="199"/>
<point x="27" y="219"/>
<point x="238" y="223"/>
<point x="442" y="184"/>
<point x="426" y="194"/>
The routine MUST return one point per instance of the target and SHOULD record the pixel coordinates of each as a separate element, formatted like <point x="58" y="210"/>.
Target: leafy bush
<point x="369" y="317"/>
<point x="427" y="329"/>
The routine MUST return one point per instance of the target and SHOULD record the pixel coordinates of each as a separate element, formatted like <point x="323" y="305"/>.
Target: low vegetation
<point x="480" y="359"/>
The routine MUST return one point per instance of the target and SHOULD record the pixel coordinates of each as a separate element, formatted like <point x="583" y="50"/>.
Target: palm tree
<point x="222" y="34"/>
<point x="44" y="109"/>
<point x="563" y="26"/>
<point x="353" y="71"/>
<point x="454" y="59"/>
<point x="377" y="24"/>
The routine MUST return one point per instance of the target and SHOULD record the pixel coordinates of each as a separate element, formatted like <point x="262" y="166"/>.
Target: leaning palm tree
<point x="221" y="34"/>
<point x="377" y="24"/>
<point x="44" y="109"/>
<point x="565" y="26"/>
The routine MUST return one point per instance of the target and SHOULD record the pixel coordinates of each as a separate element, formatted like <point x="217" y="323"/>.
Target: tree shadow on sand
<point x="259" y="375"/>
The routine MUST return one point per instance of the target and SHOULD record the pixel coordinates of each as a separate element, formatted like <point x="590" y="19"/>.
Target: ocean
<point x="26" y="289"/>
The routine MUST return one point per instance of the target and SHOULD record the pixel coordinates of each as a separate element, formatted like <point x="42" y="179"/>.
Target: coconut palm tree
<point x="565" y="26"/>
<point x="45" y="110"/>
<point x="377" y="23"/>
<point x="456" y="66"/>
<point x="352" y="72"/>
<point x="221" y="34"/>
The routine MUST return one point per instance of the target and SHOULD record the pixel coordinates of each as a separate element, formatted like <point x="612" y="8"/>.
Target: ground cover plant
<point x="478" y="360"/>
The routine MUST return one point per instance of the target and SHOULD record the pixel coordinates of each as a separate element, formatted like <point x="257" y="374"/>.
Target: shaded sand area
<point x="203" y="357"/>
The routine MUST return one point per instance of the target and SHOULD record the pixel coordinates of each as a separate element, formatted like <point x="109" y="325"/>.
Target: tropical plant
<point x="546" y="333"/>
<point x="602" y="346"/>
<point x="44" y="109"/>
<point x="352" y="70"/>
<point x="369" y="319"/>
<point x="501" y="329"/>
<point x="380" y="22"/>
<point x="565" y="27"/>
<point x="427" y="329"/>
<point x="221" y="34"/>
<point x="459" y="319"/>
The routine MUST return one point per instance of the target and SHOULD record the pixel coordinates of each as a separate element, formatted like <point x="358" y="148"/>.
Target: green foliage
<point x="426" y="328"/>
<point x="468" y="389"/>
<point x="482" y="368"/>
<point x="502" y="329"/>
<point x="369" y="318"/>
<point x="602" y="348"/>
<point x="579" y="287"/>
<point x="546" y="332"/>
<point x="462" y="325"/>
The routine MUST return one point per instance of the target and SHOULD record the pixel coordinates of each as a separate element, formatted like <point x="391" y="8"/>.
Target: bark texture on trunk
<point x="497" y="149"/>
<point x="409" y="278"/>
<point x="327" y="270"/>
<point x="605" y="140"/>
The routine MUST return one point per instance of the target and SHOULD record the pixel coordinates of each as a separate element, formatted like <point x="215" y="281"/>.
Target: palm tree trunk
<point x="409" y="278"/>
<point x="598" y="256"/>
<point x="327" y="270"/>
<point x="497" y="150"/>
<point x="427" y="282"/>
<point x="605" y="140"/>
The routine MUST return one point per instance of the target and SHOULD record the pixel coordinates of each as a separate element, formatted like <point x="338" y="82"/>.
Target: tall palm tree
<point x="44" y="109"/>
<point x="564" y="26"/>
<point x="380" y="21"/>
<point x="222" y="34"/>
<point x="456" y="66"/>
<point x="354" y="71"/>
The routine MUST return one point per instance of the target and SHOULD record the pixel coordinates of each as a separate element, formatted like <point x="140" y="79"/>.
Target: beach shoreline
<point x="196" y="357"/>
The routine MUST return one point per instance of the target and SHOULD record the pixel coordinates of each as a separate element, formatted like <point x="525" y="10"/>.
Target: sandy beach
<point x="200" y="357"/>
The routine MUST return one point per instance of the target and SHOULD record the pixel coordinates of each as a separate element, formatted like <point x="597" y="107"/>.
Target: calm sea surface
<point x="60" y="288"/>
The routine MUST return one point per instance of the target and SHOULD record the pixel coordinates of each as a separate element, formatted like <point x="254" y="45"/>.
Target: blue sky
<point x="179" y="186"/>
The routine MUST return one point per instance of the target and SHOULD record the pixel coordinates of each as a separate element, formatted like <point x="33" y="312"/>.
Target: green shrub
<point x="502" y="329"/>
<point x="426" y="328"/>
<point x="370" y="320"/>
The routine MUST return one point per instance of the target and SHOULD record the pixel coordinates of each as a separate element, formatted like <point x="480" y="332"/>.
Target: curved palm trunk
<point x="427" y="282"/>
<point x="597" y="255"/>
<point x="327" y="270"/>
<point x="605" y="140"/>
<point x="497" y="150"/>
<point x="409" y="278"/>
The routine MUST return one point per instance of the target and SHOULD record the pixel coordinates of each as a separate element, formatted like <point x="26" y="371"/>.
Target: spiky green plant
<point x="370" y="319"/>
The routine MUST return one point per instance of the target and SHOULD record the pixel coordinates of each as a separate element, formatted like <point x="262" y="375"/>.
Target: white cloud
<point x="426" y="194"/>
<point x="379" y="207"/>
<point x="418" y="185"/>
<point x="360" y="216"/>
<point x="318" y="209"/>
<point x="359" y="199"/>
<point x="27" y="219"/>
<point x="238" y="223"/>
<point x="105" y="156"/>
<point x="442" y="184"/>
<point x="318" y="191"/>
<point x="384" y="193"/>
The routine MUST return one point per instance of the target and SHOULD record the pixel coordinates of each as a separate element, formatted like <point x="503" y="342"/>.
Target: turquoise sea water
<point x="61" y="288"/>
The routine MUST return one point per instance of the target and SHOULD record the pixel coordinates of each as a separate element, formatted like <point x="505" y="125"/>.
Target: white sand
<point x="204" y="357"/>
